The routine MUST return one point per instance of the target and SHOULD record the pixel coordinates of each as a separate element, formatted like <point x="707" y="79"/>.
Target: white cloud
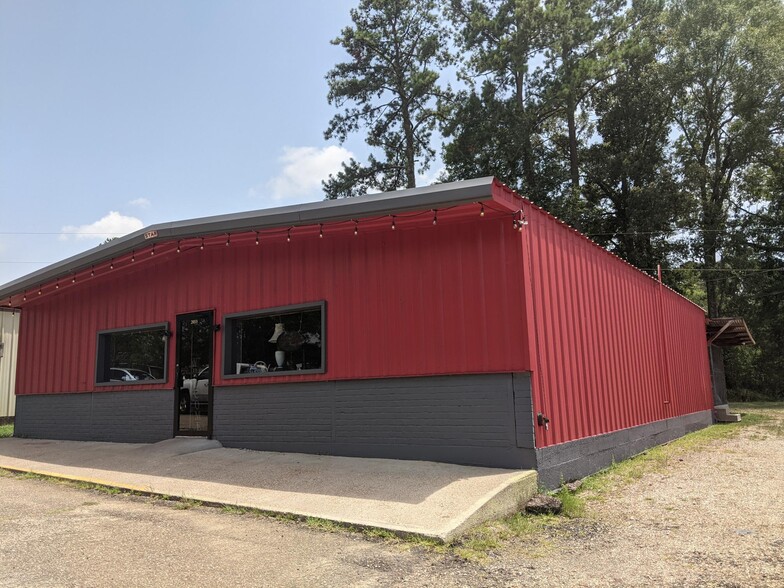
<point x="431" y="175"/>
<point x="303" y="169"/>
<point x="113" y="224"/>
<point x="140" y="203"/>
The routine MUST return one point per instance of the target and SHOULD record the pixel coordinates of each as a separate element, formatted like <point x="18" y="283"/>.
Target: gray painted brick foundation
<point x="467" y="419"/>
<point x="141" y="416"/>
<point x="484" y="420"/>
<point x="577" y="459"/>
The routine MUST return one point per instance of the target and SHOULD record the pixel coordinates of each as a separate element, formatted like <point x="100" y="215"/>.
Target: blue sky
<point x="116" y="115"/>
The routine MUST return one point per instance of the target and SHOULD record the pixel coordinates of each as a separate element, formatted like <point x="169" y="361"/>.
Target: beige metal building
<point x="9" y="339"/>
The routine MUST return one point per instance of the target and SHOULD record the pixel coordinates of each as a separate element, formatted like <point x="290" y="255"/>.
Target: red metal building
<point x="457" y="322"/>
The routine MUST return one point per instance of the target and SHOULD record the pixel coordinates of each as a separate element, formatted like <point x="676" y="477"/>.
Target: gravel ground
<point x="715" y="518"/>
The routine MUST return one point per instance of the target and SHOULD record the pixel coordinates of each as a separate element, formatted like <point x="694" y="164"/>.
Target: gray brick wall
<point x="457" y="419"/>
<point x="576" y="459"/>
<point x="141" y="416"/>
<point x="524" y="411"/>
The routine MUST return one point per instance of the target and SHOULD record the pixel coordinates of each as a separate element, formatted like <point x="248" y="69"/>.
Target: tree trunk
<point x="712" y="221"/>
<point x="574" y="169"/>
<point x="410" y="149"/>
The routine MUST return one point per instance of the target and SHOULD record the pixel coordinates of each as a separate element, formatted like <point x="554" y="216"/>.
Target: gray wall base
<point x="576" y="459"/>
<point x="468" y="419"/>
<point x="141" y="416"/>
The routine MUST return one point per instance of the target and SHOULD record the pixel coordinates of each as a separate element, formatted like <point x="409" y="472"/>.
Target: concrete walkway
<point x="435" y="500"/>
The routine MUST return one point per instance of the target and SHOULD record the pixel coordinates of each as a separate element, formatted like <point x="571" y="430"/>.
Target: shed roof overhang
<point x="438" y="196"/>
<point x="728" y="332"/>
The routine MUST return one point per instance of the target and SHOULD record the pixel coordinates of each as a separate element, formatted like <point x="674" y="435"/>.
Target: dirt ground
<point x="711" y="516"/>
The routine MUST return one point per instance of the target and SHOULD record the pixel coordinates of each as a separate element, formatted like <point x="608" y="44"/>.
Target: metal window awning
<point x="728" y="332"/>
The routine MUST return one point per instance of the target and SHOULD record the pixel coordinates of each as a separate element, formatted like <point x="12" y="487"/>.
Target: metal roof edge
<point x="607" y="251"/>
<point x="411" y="199"/>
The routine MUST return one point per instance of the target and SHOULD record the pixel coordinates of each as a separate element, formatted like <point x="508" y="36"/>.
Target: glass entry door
<point x="193" y="389"/>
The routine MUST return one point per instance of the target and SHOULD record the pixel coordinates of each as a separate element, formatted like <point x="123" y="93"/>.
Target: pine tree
<point x="389" y="90"/>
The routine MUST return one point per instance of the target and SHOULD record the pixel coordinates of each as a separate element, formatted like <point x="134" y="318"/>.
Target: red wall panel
<point x="419" y="300"/>
<point x="612" y="348"/>
<point x="608" y="347"/>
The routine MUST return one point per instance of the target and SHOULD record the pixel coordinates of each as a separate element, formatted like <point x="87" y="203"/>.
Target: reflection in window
<point x="276" y="341"/>
<point x="132" y="355"/>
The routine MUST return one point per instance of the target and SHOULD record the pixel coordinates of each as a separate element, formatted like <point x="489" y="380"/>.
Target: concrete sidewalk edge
<point x="502" y="501"/>
<point x="507" y="499"/>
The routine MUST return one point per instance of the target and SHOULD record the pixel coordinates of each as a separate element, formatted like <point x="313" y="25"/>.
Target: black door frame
<point x="179" y="319"/>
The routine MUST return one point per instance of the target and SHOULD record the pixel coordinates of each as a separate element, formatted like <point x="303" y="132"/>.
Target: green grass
<point x="571" y="504"/>
<point x="6" y="431"/>
<point x="185" y="503"/>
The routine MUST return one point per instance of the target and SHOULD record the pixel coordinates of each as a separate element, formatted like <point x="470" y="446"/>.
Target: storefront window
<point x="132" y="356"/>
<point x="275" y="341"/>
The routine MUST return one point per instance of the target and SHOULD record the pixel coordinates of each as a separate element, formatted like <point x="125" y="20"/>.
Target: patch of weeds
<point x="232" y="509"/>
<point x="110" y="490"/>
<point x="382" y="534"/>
<point x="419" y="542"/>
<point x="186" y="503"/>
<point x="477" y="544"/>
<point x="327" y="525"/>
<point x="31" y="476"/>
<point x="522" y="525"/>
<point x="6" y="431"/>
<point x="572" y="505"/>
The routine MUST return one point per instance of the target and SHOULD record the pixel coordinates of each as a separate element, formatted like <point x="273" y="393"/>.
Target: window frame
<point x="148" y="327"/>
<point x="228" y="331"/>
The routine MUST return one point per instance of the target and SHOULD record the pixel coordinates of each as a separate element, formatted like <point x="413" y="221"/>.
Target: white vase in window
<point x="280" y="358"/>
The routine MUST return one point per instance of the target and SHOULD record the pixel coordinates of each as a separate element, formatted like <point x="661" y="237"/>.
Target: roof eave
<point x="435" y="196"/>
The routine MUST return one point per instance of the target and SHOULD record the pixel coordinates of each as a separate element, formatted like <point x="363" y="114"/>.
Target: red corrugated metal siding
<point x="419" y="300"/>
<point x="612" y="348"/>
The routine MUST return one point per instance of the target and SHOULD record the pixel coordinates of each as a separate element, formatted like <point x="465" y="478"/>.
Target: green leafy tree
<point x="727" y="60"/>
<point x="581" y="36"/>
<point x="634" y="199"/>
<point x="389" y="89"/>
<point x="494" y="125"/>
<point x="755" y="291"/>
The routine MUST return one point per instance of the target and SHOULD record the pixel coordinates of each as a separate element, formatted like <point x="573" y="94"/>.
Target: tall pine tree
<point x="389" y="90"/>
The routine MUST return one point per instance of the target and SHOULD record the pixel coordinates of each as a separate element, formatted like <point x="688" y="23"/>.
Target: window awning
<point x="728" y="332"/>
